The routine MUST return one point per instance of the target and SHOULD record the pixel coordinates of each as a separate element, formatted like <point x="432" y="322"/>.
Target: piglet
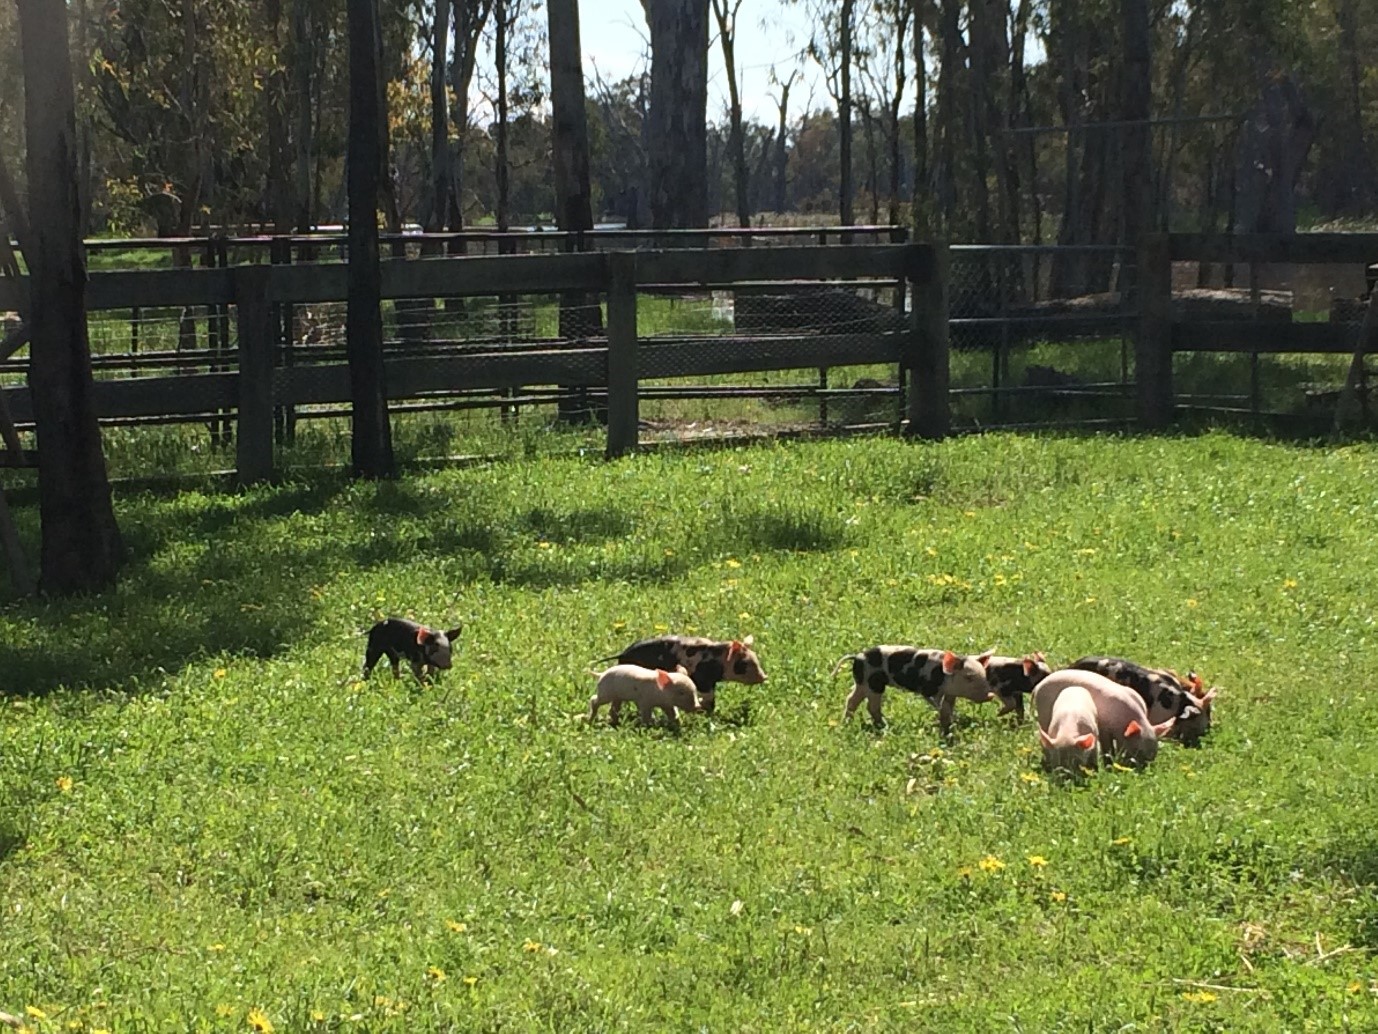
<point x="1165" y="693"/>
<point x="1014" y="678"/>
<point x="648" y="689"/>
<point x="1125" y="730"/>
<point x="708" y="661"/>
<point x="1071" y="739"/>
<point x="939" y="676"/>
<point x="426" y="649"/>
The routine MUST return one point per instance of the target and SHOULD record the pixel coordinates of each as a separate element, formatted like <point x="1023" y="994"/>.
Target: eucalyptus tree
<point x="725" y="14"/>
<point x="81" y="546"/>
<point x="677" y="117"/>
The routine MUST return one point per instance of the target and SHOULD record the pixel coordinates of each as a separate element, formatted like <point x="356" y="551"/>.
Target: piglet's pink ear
<point x="950" y="662"/>
<point x="1086" y="742"/>
<point x="1038" y="657"/>
<point x="1164" y="728"/>
<point x="734" y="650"/>
<point x="422" y="634"/>
<point x="662" y="678"/>
<point x="1028" y="665"/>
<point x="1045" y="739"/>
<point x="1133" y="729"/>
<point x="984" y="658"/>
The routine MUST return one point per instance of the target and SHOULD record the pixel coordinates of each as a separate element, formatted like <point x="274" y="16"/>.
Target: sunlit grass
<point x="205" y="821"/>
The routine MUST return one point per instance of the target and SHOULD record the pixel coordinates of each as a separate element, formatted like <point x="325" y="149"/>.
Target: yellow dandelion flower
<point x="730" y="562"/>
<point x="436" y="973"/>
<point x="1030" y="778"/>
<point x="1289" y="583"/>
<point x="35" y="1012"/>
<point x="64" y="783"/>
<point x="216" y="947"/>
<point x="531" y="946"/>
<point x="1037" y="861"/>
<point x="317" y="1016"/>
<point x="1354" y="987"/>
<point x="964" y="872"/>
<point x="1122" y="841"/>
<point x="258" y="1021"/>
<point x="455" y="927"/>
<point x="471" y="981"/>
<point x="661" y="628"/>
<point x="804" y="931"/>
<point x="744" y="616"/>
<point x="930" y="551"/>
<point x="1200" y="997"/>
<point x="219" y="673"/>
<point x="1058" y="895"/>
<point x="224" y="1010"/>
<point x="1089" y="600"/>
<point x="1192" y="603"/>
<point x="990" y="864"/>
<point x="669" y="552"/>
<point x="542" y="544"/>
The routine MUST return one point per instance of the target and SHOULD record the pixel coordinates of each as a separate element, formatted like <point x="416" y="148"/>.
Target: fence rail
<point x="259" y="368"/>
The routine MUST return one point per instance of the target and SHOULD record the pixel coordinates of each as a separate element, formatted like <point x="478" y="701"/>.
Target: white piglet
<point x="1071" y="739"/>
<point x="647" y="689"/>
<point x="1125" y="730"/>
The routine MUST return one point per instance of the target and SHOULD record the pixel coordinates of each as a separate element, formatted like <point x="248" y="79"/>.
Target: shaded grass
<point x="247" y="827"/>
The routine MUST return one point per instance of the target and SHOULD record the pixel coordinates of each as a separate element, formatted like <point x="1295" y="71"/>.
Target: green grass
<point x="203" y="813"/>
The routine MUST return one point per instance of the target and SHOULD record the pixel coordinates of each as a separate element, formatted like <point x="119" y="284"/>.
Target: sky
<point x="615" y="41"/>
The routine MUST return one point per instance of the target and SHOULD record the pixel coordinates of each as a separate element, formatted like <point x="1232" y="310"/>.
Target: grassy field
<point x="208" y="823"/>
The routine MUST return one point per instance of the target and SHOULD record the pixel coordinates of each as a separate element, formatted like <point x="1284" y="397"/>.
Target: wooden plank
<point x="623" y="361"/>
<point x="927" y="355"/>
<point x="146" y="396"/>
<point x="452" y="277"/>
<point x="412" y="378"/>
<point x="729" y="266"/>
<point x="1274" y="247"/>
<point x="697" y="357"/>
<point x="14" y="294"/>
<point x="1268" y="337"/>
<point x="1153" y="337"/>
<point x="150" y="288"/>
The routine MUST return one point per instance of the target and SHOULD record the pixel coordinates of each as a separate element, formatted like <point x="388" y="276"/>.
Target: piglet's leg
<point x="647" y="713"/>
<point x="615" y="713"/>
<point x="873" y="704"/>
<point x="854" y="699"/>
<point x="595" y="702"/>
<point x="945" y="707"/>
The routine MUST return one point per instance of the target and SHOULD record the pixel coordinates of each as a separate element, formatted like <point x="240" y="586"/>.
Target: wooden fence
<point x="1163" y="332"/>
<point x="617" y="360"/>
<point x="252" y="382"/>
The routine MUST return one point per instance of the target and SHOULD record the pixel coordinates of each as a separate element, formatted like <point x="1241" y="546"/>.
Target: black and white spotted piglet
<point x="398" y="639"/>
<point x="1014" y="678"/>
<point x="708" y="662"/>
<point x="1165" y="693"/>
<point x="939" y="676"/>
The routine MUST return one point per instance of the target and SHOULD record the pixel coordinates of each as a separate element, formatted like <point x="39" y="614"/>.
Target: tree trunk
<point x="844" y="114"/>
<point x="303" y="62"/>
<point x="1136" y="153"/>
<point x="782" y="148"/>
<point x="727" y="29"/>
<point x="440" y="121"/>
<point x="371" y="429"/>
<point x="501" y="171"/>
<point x="81" y="549"/>
<point x="274" y="100"/>
<point x="580" y="317"/>
<point x="948" y="71"/>
<point x="892" y="126"/>
<point x="923" y="201"/>
<point x="677" y="129"/>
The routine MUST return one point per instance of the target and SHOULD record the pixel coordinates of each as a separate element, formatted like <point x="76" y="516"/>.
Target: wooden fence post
<point x="929" y="411"/>
<point x="623" y="376"/>
<point x="254" y="313"/>
<point x="1153" y="341"/>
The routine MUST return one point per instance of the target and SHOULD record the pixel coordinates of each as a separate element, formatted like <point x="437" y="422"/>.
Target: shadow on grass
<point x="777" y="528"/>
<point x="212" y="575"/>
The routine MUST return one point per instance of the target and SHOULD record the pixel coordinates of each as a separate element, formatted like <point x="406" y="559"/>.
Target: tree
<point x="1137" y="150"/>
<point x="832" y="48"/>
<point x="371" y="430"/>
<point x="81" y="548"/>
<point x="677" y="125"/>
<point x="725" y="13"/>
